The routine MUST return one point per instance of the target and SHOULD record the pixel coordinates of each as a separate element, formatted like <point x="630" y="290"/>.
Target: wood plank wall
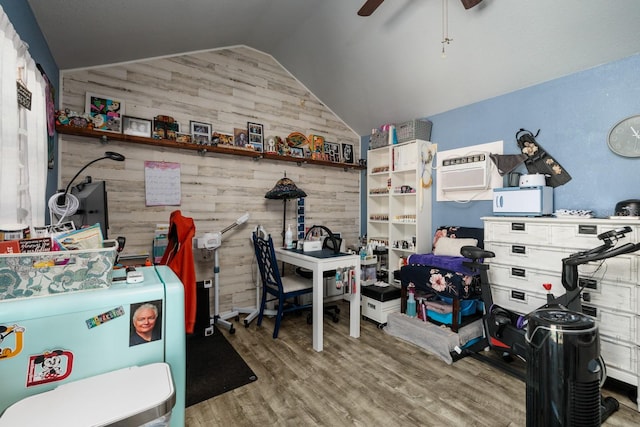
<point x="227" y="88"/>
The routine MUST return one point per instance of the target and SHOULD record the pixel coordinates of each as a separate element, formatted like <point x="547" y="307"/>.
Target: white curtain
<point x="23" y="133"/>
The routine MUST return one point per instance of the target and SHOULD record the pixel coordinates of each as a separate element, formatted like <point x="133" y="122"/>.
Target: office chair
<point x="279" y="288"/>
<point x="334" y="244"/>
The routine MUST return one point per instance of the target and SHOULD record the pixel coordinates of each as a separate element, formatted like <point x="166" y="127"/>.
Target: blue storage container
<point x="467" y="307"/>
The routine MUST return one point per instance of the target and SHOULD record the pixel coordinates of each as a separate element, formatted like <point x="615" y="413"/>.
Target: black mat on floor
<point x="213" y="367"/>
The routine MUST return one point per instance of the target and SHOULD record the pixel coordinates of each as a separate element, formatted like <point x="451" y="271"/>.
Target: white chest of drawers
<point x="529" y="252"/>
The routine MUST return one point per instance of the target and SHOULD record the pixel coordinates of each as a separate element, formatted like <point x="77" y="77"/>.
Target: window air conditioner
<point x="465" y="173"/>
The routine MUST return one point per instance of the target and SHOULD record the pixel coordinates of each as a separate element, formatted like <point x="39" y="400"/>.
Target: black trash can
<point x="563" y="369"/>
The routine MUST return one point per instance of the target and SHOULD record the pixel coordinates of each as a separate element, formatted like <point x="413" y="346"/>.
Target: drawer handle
<point x="587" y="283"/>
<point x="517" y="226"/>
<point x="590" y="311"/>
<point x="519" y="272"/>
<point x="518" y="295"/>
<point x="518" y="249"/>
<point x="587" y="229"/>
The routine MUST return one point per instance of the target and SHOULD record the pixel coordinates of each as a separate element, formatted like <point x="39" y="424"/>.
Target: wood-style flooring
<point x="376" y="380"/>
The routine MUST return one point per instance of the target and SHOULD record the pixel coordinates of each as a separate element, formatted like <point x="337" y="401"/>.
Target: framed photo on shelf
<point x="347" y="153"/>
<point x="240" y="138"/>
<point x="201" y="132"/>
<point x="105" y="111"/>
<point x="165" y="127"/>
<point x="317" y="147"/>
<point x="256" y="136"/>
<point x="297" y="152"/>
<point x="223" y="139"/>
<point x="332" y="151"/>
<point x="136" y="126"/>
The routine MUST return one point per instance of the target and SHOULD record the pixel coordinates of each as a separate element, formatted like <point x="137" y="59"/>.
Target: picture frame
<point x="317" y="147"/>
<point x="105" y="112"/>
<point x="136" y="126"/>
<point x="347" y="153"/>
<point x="332" y="151"/>
<point x="223" y="139"/>
<point x="240" y="137"/>
<point x="297" y="152"/>
<point x="165" y="127"/>
<point x="255" y="136"/>
<point x="200" y="131"/>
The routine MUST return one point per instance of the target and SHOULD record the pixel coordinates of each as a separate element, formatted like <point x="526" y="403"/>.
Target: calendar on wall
<point x="162" y="183"/>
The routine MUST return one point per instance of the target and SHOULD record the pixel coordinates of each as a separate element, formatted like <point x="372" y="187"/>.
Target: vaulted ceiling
<point x="384" y="68"/>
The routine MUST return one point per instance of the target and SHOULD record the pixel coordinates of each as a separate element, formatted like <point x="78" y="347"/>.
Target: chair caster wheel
<point x="335" y="319"/>
<point x="237" y="318"/>
<point x="232" y="330"/>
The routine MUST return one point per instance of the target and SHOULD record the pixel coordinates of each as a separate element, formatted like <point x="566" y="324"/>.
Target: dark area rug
<point x="213" y="367"/>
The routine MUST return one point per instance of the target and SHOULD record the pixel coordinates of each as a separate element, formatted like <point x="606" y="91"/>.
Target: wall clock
<point x="624" y="137"/>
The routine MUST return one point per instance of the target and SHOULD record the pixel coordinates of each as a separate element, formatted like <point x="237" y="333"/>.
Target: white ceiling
<point x="373" y="70"/>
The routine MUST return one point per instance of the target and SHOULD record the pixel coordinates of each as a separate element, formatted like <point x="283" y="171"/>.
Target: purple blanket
<point x="453" y="263"/>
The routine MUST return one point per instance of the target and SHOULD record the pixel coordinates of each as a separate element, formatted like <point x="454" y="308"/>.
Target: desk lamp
<point x="285" y="189"/>
<point x="107" y="155"/>
<point x="65" y="203"/>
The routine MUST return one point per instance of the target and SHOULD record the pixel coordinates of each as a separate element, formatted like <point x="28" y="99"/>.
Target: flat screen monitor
<point x="92" y="206"/>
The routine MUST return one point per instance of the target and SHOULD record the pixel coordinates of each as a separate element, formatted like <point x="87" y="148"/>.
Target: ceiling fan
<point x="370" y="6"/>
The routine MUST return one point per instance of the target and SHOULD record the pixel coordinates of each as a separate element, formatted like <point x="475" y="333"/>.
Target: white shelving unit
<point x="399" y="199"/>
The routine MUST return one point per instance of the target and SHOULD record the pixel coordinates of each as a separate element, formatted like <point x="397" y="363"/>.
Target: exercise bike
<point x="506" y="331"/>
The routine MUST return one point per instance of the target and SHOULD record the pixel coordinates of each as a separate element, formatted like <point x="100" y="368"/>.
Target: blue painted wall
<point x="574" y="114"/>
<point x="24" y="22"/>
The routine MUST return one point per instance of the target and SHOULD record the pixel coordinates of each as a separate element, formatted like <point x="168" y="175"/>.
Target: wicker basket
<point x="379" y="139"/>
<point x="414" y="129"/>
<point x="48" y="273"/>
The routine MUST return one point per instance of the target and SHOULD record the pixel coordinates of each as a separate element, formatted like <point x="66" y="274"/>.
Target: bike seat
<point x="474" y="252"/>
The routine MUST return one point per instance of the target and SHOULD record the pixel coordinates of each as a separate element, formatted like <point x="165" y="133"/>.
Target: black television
<point x="92" y="206"/>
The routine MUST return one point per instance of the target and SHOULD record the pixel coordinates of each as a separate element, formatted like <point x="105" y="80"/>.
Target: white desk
<point x="318" y="266"/>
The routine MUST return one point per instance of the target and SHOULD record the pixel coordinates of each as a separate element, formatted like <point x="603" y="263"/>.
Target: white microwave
<point x="529" y="201"/>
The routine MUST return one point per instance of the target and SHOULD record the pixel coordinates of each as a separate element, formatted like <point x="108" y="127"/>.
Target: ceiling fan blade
<point x="468" y="4"/>
<point x="369" y="7"/>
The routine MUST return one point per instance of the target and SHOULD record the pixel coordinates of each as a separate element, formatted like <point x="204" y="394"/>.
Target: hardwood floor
<point x="376" y="380"/>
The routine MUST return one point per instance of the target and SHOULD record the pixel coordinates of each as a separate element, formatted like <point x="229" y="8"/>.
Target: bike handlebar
<point x="605" y="251"/>
<point x="608" y="252"/>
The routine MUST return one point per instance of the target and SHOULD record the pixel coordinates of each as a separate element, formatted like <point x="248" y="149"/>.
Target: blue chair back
<point x="267" y="264"/>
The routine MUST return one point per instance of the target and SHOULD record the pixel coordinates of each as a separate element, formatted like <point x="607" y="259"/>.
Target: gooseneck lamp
<point x="64" y="204"/>
<point x="107" y="155"/>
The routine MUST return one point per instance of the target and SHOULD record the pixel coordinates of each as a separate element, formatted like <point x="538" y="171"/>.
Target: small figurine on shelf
<point x="67" y="117"/>
<point x="62" y="117"/>
<point x="270" y="145"/>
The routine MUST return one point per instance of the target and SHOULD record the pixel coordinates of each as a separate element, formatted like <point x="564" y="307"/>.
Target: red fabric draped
<point x="179" y="257"/>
